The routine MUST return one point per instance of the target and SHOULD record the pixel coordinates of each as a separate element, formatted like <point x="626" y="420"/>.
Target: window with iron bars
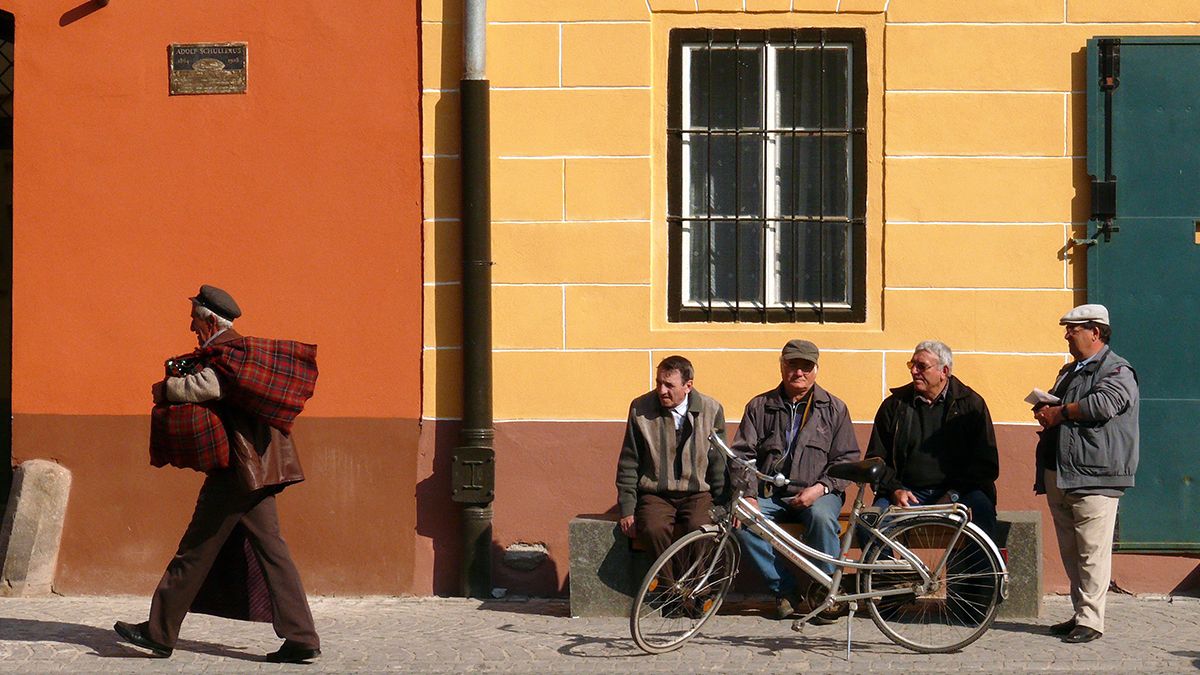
<point x="767" y="175"/>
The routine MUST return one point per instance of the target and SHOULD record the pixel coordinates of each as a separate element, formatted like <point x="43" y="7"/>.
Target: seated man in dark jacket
<point x="935" y="436"/>
<point x="800" y="430"/>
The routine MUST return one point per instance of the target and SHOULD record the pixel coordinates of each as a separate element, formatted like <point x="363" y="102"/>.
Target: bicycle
<point x="930" y="579"/>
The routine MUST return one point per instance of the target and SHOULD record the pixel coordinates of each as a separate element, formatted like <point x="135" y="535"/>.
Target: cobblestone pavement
<point x="1148" y="634"/>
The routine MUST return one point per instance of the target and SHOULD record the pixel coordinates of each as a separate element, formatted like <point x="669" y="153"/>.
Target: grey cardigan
<point x="1098" y="447"/>
<point x="647" y="459"/>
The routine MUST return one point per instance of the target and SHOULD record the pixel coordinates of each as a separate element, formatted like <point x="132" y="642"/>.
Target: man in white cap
<point x="1086" y="458"/>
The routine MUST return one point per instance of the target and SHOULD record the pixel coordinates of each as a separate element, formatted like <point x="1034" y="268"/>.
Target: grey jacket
<point x="648" y="456"/>
<point x="1098" y="447"/>
<point x="826" y="439"/>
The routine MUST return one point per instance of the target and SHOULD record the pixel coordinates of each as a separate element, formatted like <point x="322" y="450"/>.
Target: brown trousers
<point x="661" y="517"/>
<point x="221" y="506"/>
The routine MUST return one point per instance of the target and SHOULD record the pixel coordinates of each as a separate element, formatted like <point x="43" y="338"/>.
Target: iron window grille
<point x="767" y="175"/>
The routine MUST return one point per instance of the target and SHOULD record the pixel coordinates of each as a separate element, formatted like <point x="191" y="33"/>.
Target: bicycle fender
<point x="991" y="545"/>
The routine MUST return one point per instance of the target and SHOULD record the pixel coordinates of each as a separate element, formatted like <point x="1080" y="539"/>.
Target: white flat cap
<point x="1086" y="313"/>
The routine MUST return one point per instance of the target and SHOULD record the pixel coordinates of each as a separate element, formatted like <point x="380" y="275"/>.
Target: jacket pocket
<point x="1095" y="455"/>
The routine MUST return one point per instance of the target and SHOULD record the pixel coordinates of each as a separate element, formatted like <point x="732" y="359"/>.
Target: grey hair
<point x="204" y="312"/>
<point x="939" y="349"/>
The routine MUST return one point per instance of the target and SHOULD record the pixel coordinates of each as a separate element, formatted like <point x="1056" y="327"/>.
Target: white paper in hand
<point x="1038" y="396"/>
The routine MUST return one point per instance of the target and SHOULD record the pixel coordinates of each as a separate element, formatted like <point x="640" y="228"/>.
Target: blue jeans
<point x="983" y="512"/>
<point x="821" y="530"/>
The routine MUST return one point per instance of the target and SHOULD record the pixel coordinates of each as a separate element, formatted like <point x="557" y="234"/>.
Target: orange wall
<point x="302" y="198"/>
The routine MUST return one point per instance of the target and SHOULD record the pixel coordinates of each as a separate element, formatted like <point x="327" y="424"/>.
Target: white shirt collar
<point x="212" y="337"/>
<point x="680" y="411"/>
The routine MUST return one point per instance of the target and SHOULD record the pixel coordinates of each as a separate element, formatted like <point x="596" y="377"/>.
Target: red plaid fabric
<point x="271" y="379"/>
<point x="189" y="436"/>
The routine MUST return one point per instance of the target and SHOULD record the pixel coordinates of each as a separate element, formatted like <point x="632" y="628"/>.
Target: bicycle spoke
<point x="959" y="604"/>
<point x="671" y="607"/>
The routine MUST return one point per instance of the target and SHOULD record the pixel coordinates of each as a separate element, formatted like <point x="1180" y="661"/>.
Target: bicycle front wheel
<point x="960" y="604"/>
<point x="683" y="588"/>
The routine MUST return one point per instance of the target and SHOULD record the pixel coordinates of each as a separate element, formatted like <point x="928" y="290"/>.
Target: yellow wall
<point x="976" y="179"/>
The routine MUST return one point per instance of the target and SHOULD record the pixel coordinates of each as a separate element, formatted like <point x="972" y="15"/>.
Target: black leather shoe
<point x="1081" y="634"/>
<point x="135" y="634"/>
<point x="291" y="652"/>
<point x="1061" y="629"/>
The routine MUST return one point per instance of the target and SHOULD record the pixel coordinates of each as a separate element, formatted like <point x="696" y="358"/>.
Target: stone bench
<point x="606" y="568"/>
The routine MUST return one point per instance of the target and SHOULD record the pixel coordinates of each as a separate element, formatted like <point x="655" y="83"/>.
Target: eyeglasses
<point x="1074" y="328"/>
<point x="921" y="367"/>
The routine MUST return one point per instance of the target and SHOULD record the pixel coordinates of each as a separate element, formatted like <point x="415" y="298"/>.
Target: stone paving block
<point x="421" y="635"/>
<point x="32" y="529"/>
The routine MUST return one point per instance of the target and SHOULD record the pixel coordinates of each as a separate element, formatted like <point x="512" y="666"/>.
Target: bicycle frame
<point x="805" y="557"/>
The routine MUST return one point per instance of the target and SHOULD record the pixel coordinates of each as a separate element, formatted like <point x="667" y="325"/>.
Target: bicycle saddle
<point x="866" y="471"/>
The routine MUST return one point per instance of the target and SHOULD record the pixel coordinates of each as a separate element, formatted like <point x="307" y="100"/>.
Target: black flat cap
<point x="218" y="301"/>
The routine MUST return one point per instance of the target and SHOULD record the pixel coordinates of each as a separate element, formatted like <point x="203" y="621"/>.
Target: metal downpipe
<point x="473" y="466"/>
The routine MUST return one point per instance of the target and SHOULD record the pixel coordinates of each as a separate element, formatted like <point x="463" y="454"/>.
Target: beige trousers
<point x="1084" y="525"/>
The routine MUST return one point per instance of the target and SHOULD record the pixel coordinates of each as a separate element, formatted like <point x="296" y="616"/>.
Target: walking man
<point x="232" y="560"/>
<point x="1086" y="458"/>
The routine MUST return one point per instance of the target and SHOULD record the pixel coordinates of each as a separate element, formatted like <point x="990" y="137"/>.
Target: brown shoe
<point x="783" y="609"/>
<point x="292" y="652"/>
<point x="1061" y="629"/>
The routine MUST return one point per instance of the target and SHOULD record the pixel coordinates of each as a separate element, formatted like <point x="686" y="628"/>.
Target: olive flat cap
<point x="1085" y="314"/>
<point x="800" y="349"/>
<point x="218" y="301"/>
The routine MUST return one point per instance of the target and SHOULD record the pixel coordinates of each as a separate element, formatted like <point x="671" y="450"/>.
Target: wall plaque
<point x="207" y="68"/>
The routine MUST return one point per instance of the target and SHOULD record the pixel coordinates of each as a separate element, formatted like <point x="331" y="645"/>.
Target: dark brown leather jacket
<point x="261" y="455"/>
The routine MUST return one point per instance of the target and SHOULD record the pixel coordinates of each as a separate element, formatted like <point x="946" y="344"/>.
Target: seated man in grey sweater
<point x="668" y="473"/>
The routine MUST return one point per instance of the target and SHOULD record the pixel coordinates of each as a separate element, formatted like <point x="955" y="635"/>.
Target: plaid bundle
<point x="189" y="436"/>
<point x="271" y="379"/>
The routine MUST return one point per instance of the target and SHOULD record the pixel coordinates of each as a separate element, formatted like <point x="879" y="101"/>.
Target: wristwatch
<point x="826" y="488"/>
<point x="1066" y="414"/>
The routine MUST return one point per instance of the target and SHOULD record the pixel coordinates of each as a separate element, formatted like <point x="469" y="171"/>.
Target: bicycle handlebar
<point x="778" y="480"/>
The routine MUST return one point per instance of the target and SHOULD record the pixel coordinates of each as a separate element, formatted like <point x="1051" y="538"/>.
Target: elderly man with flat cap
<point x="800" y="430"/>
<point x="1086" y="458"/>
<point x="232" y="560"/>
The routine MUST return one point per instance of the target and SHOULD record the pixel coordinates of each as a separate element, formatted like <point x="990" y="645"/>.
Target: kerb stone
<point x="605" y="571"/>
<point x="1021" y="533"/>
<point x="32" y="528"/>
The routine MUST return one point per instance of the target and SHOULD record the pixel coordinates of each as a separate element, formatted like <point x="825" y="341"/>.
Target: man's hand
<point x="808" y="496"/>
<point x="903" y="497"/>
<point x="628" y="528"/>
<point x="1049" y="416"/>
<point x="158" y="392"/>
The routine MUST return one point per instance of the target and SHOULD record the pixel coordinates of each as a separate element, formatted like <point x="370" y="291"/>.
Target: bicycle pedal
<point x="797" y="625"/>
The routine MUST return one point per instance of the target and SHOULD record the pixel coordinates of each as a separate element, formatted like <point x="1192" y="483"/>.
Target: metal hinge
<point x="1110" y="63"/>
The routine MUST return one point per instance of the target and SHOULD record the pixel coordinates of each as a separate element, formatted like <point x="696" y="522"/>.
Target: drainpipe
<point x="473" y="466"/>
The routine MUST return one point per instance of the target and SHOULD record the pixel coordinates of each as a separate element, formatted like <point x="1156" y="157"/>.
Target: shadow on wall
<point x="439" y="517"/>
<point x="1190" y="585"/>
<point x="1081" y="203"/>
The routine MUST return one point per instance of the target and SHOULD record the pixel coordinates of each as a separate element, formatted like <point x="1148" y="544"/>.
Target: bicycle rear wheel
<point x="683" y="588"/>
<point x="958" y="607"/>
